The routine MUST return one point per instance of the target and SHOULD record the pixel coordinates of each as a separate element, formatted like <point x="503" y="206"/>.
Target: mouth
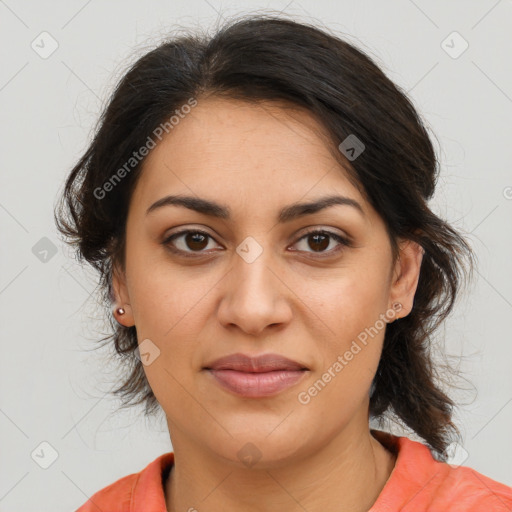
<point x="255" y="377"/>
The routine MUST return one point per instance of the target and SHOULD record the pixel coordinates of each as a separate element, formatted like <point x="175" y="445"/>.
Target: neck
<point x="347" y="474"/>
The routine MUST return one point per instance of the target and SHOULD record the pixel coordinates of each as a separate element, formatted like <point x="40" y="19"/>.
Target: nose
<point x="254" y="295"/>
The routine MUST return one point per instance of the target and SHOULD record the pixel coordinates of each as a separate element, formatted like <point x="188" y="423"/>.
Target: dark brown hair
<point x="272" y="58"/>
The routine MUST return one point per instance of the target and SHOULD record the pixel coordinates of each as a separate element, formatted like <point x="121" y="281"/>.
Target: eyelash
<point x="342" y="240"/>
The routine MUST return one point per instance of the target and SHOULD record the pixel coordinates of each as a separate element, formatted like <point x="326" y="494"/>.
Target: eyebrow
<point x="286" y="214"/>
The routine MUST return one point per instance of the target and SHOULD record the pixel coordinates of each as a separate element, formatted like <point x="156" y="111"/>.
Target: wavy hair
<point x="271" y="58"/>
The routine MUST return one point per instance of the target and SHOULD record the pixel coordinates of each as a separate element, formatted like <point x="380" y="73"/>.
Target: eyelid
<point x="328" y="231"/>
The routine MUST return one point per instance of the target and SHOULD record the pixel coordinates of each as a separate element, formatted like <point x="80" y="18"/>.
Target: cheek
<point x="348" y="320"/>
<point x="168" y="311"/>
<point x="347" y="302"/>
<point x="165" y="299"/>
<point x="348" y="359"/>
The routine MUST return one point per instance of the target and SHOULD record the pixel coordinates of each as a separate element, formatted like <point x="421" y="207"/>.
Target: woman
<point x="256" y="206"/>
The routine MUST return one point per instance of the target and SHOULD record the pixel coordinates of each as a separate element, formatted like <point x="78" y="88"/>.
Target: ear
<point x="406" y="275"/>
<point x="121" y="297"/>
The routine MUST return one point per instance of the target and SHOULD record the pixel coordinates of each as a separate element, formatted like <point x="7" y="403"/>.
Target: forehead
<point x="257" y="151"/>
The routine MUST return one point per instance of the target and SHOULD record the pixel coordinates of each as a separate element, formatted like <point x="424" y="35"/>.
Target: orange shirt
<point x="418" y="483"/>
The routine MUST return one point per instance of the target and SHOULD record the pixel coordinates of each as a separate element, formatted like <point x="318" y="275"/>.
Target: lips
<point x="257" y="364"/>
<point x="256" y="377"/>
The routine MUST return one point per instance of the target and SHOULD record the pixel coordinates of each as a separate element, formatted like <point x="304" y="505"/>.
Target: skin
<point x="308" y="304"/>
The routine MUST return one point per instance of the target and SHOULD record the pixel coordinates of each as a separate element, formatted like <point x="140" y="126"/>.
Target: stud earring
<point x="120" y="311"/>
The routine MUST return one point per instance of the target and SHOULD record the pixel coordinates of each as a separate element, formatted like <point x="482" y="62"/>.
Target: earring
<point x="120" y="311"/>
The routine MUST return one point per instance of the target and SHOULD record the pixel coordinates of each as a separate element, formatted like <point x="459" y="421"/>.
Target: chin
<point x="260" y="449"/>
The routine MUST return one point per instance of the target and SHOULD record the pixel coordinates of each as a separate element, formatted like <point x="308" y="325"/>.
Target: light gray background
<point x="54" y="387"/>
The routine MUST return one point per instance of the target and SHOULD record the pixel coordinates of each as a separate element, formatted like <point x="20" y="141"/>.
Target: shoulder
<point x="470" y="490"/>
<point x="115" y="497"/>
<point x="127" y="493"/>
<point x="420" y="483"/>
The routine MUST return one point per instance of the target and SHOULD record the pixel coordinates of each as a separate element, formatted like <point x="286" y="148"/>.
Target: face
<point x="315" y="286"/>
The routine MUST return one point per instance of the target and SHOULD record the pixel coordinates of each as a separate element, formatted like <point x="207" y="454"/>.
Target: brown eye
<point x="319" y="241"/>
<point x="196" y="241"/>
<point x="188" y="242"/>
